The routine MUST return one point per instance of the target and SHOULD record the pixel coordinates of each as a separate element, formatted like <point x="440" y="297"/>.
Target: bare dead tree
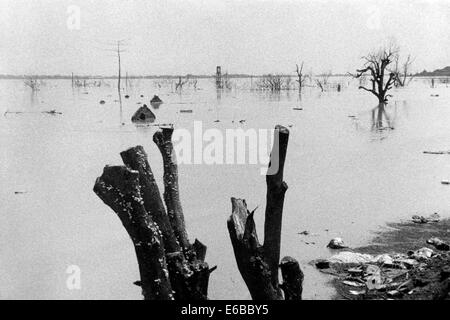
<point x="401" y="71"/>
<point x="34" y="84"/>
<point x="271" y="82"/>
<point x="300" y="77"/>
<point x="322" y="80"/>
<point x="376" y="66"/>
<point x="170" y="266"/>
<point x="179" y="85"/>
<point x="258" y="264"/>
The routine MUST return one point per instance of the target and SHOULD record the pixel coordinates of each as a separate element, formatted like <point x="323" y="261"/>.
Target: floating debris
<point x="437" y="152"/>
<point x="336" y="243"/>
<point x="127" y="96"/>
<point x="185" y="111"/>
<point x="143" y="115"/>
<point x="445" y="182"/>
<point x="297" y="109"/>
<point x="20" y="192"/>
<point x="305" y="233"/>
<point x="156" y="99"/>
<point x="53" y="112"/>
<point x="102" y="102"/>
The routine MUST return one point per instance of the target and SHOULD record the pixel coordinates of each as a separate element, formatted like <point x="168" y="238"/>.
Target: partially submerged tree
<point x="402" y="71"/>
<point x="179" y="85"/>
<point x="34" y="84"/>
<point x="272" y="82"/>
<point x="170" y="266"/>
<point x="376" y="67"/>
<point x="300" y="77"/>
<point x="258" y="264"/>
<point x="322" y="80"/>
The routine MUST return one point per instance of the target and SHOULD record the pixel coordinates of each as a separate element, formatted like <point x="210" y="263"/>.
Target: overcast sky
<point x="180" y="37"/>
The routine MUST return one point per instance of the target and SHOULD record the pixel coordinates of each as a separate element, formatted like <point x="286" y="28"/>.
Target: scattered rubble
<point x="379" y="271"/>
<point x="438" y="244"/>
<point x="421" y="219"/>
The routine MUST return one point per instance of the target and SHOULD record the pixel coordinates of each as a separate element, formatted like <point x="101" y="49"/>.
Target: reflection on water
<point x="380" y="119"/>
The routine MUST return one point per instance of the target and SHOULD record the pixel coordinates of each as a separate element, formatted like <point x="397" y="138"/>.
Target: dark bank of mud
<point x="398" y="264"/>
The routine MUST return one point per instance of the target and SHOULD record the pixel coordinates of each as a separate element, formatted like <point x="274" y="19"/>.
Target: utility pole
<point x="118" y="56"/>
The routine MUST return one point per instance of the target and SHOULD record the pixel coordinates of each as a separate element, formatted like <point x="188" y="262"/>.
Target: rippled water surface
<point x="347" y="174"/>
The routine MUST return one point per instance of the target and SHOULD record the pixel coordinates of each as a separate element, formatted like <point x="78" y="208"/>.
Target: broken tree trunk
<point x="163" y="140"/>
<point x="170" y="267"/>
<point x="119" y="188"/>
<point x="258" y="264"/>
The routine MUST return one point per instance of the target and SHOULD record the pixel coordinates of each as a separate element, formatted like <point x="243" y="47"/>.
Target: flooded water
<point x="346" y="177"/>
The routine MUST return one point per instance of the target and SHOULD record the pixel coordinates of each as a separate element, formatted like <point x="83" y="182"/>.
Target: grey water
<point x="350" y="169"/>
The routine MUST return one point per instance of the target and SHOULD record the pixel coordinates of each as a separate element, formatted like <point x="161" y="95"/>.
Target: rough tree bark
<point x="170" y="267"/>
<point x="258" y="264"/>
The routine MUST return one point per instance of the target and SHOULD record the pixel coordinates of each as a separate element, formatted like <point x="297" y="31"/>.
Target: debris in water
<point x="216" y="120"/>
<point x="336" y="243"/>
<point x="53" y="112"/>
<point x="102" y="102"/>
<point x="305" y="233"/>
<point x="437" y="152"/>
<point x="156" y="99"/>
<point x="143" y="115"/>
<point x="445" y="182"/>
<point x="20" y="192"/>
<point x="185" y="111"/>
<point x="297" y="109"/>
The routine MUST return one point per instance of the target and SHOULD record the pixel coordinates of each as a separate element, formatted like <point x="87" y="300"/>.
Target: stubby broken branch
<point x="259" y="264"/>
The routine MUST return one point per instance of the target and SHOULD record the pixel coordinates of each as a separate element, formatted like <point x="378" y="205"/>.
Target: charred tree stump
<point x="258" y="264"/>
<point x="170" y="267"/>
<point x="163" y="140"/>
<point x="119" y="188"/>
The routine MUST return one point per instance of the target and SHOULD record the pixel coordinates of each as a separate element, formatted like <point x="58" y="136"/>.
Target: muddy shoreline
<point x="399" y="262"/>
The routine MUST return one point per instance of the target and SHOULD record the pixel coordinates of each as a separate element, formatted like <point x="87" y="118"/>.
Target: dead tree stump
<point x="170" y="267"/>
<point x="258" y="264"/>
